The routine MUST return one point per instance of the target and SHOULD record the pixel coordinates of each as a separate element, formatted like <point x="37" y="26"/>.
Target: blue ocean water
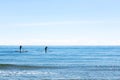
<point x="60" y="62"/>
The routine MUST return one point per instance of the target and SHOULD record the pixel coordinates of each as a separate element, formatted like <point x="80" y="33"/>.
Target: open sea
<point x="60" y="63"/>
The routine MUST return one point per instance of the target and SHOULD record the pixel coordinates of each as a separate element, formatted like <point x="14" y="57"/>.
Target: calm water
<point x="61" y="62"/>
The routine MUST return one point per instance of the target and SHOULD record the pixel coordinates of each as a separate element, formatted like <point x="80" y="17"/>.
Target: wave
<point x="17" y="66"/>
<point x="81" y="67"/>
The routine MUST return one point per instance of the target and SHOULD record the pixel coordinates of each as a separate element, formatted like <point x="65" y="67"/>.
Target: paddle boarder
<point x="20" y="48"/>
<point x="46" y="48"/>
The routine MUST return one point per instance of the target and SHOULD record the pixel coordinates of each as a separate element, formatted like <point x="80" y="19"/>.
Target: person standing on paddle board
<point x="20" y="48"/>
<point x="46" y="48"/>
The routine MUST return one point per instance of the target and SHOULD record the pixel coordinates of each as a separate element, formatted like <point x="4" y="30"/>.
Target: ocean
<point x="60" y="63"/>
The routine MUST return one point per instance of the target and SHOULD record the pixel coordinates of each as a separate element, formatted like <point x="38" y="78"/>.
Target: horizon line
<point x="55" y="45"/>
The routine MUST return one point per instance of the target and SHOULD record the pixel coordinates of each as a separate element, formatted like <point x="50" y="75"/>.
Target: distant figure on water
<point x="20" y="48"/>
<point x="46" y="48"/>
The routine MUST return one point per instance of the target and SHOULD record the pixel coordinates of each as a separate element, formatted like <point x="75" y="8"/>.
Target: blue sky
<point x="59" y="22"/>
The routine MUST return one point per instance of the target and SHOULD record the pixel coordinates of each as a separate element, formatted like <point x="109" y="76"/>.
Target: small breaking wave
<point x="16" y="66"/>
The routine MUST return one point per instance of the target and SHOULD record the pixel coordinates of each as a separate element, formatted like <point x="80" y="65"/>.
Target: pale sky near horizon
<point x="60" y="22"/>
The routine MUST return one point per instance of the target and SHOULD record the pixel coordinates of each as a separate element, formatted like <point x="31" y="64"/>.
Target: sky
<point x="59" y="22"/>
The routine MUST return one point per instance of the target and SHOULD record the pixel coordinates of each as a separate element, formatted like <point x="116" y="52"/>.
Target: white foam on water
<point x="29" y="75"/>
<point x="24" y="72"/>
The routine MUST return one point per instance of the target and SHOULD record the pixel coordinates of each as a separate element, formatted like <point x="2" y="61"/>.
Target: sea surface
<point x="60" y="63"/>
